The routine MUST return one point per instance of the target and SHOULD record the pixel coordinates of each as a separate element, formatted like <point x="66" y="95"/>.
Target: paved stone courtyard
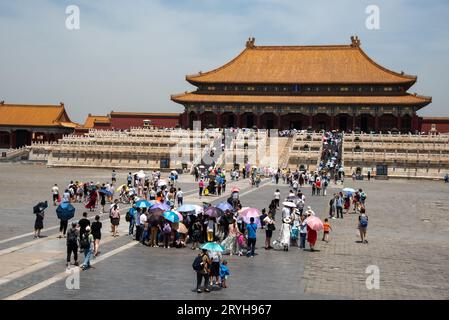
<point x="407" y="241"/>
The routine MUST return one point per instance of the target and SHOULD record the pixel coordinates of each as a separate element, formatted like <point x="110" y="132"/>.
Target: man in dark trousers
<point x="203" y="272"/>
<point x="83" y="223"/>
<point x="251" y="233"/>
<point x="72" y="244"/>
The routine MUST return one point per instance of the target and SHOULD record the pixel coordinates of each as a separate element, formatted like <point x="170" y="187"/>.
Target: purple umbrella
<point x="213" y="212"/>
<point x="224" y="206"/>
<point x="160" y="207"/>
<point x="256" y="220"/>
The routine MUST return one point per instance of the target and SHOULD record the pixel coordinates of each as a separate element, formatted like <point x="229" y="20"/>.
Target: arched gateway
<point x="323" y="87"/>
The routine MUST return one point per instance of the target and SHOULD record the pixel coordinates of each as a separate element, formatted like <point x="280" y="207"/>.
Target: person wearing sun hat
<point x="285" y="233"/>
<point x="310" y="211"/>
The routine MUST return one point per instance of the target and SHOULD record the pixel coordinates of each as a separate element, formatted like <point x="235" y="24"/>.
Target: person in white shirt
<point x="66" y="196"/>
<point x="55" y="193"/>
<point x="179" y="197"/>
<point x="277" y="197"/>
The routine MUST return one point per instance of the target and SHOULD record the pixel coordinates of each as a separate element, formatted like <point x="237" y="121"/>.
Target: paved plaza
<point x="407" y="236"/>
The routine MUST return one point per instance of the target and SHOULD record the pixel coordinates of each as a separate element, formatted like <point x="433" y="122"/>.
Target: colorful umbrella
<point x="181" y="228"/>
<point x="106" y="192"/>
<point x="161" y="183"/>
<point x="187" y="208"/>
<point x="314" y="223"/>
<point x="212" y="246"/>
<point x="143" y="204"/>
<point x="213" y="212"/>
<point x="247" y="220"/>
<point x="159" y="207"/>
<point x="350" y="190"/>
<point x="235" y="189"/>
<point x="141" y="174"/>
<point x="171" y="216"/>
<point x="120" y="188"/>
<point x="181" y="218"/>
<point x="224" y="206"/>
<point x="289" y="204"/>
<point x="249" y="212"/>
<point x="65" y="211"/>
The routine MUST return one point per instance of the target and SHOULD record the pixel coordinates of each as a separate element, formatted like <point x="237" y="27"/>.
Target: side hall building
<point x="21" y="124"/>
<point x="318" y="87"/>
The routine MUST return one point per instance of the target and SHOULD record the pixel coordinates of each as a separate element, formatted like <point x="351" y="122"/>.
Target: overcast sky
<point x="131" y="55"/>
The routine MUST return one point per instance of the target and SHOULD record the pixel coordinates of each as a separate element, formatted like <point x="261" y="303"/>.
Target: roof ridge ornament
<point x="2" y="102"/>
<point x="355" y="42"/>
<point x="250" y="44"/>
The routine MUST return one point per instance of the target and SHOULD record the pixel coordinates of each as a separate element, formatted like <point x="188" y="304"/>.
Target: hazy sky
<point x="131" y="55"/>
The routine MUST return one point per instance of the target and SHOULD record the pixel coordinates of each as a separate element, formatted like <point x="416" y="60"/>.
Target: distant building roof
<point x="339" y="64"/>
<point x="91" y="120"/>
<point x="142" y="114"/>
<point x="34" y="115"/>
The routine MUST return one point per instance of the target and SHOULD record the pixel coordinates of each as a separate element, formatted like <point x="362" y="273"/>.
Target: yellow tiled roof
<point x="90" y="120"/>
<point x="33" y="115"/>
<point x="341" y="64"/>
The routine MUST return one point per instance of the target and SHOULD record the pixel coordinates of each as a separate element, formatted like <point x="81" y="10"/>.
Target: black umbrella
<point x="41" y="206"/>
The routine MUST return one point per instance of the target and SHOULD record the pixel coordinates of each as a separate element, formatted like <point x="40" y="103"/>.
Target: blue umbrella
<point x="212" y="246"/>
<point x="187" y="208"/>
<point x="143" y="204"/>
<point x="65" y="211"/>
<point x="106" y="192"/>
<point x="224" y="206"/>
<point x="171" y="216"/>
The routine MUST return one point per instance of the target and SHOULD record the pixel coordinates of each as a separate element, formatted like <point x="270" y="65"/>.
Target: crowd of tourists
<point x="158" y="217"/>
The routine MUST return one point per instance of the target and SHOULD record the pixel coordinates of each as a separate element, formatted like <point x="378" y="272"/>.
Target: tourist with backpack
<point x="130" y="218"/>
<point x="362" y="197"/>
<point x="363" y="225"/>
<point x="87" y="244"/>
<point x="72" y="244"/>
<point x="201" y="266"/>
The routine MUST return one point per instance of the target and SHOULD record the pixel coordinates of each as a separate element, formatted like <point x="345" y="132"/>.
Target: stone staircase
<point x="15" y="154"/>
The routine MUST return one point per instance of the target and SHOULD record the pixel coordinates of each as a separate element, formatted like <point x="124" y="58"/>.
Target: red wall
<point x="125" y="122"/>
<point x="442" y="125"/>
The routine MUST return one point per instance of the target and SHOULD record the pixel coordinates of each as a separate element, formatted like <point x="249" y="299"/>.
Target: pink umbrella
<point x="250" y="212"/>
<point x="315" y="223"/>
<point x="235" y="189"/>
<point x="181" y="218"/>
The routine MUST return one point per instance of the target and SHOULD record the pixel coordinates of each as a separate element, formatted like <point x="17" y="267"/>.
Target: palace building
<point x="22" y="124"/>
<point x="317" y="87"/>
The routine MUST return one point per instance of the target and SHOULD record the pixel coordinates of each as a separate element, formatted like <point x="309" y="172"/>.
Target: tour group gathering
<point x="157" y="215"/>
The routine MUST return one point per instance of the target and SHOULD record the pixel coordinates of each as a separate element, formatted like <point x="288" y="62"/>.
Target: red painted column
<point x="311" y="121"/>
<point x="399" y="123"/>
<point x="239" y="120"/>
<point x="332" y="122"/>
<point x="279" y="118"/>
<point x="186" y="120"/>
<point x="376" y="124"/>
<point x="258" y="121"/>
<point x="353" y="122"/>
<point x="218" y="119"/>
<point x="415" y="123"/>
